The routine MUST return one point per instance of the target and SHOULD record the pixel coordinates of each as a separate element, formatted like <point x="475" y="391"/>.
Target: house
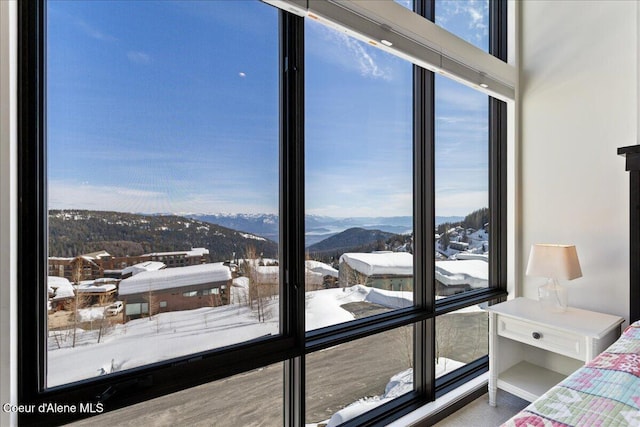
<point x="175" y="289"/>
<point x="575" y="101"/>
<point x="455" y="276"/>
<point x="98" y="290"/>
<point x="392" y="271"/>
<point x="318" y="275"/>
<point x="102" y="264"/>
<point x="141" y="267"/>
<point x="82" y="267"/>
<point x="172" y="259"/>
<point x="60" y="292"/>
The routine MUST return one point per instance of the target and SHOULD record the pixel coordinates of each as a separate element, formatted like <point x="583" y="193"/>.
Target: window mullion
<point x="294" y="392"/>
<point x="498" y="153"/>
<point x="498" y="29"/>
<point x="292" y="225"/>
<point x="497" y="189"/>
<point x="32" y="207"/>
<point x="424" y="219"/>
<point x="424" y="224"/>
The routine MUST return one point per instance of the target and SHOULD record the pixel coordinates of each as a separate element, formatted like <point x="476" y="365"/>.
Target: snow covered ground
<point x="174" y="334"/>
<point x="398" y="385"/>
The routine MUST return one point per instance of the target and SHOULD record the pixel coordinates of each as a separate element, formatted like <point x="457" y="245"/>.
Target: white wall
<point x="578" y="92"/>
<point x="8" y="371"/>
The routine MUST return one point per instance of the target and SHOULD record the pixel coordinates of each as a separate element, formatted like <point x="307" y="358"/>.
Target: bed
<point x="605" y="392"/>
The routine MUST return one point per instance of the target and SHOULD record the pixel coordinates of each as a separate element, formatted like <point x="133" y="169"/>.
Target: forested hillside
<point x="358" y="240"/>
<point x="76" y="232"/>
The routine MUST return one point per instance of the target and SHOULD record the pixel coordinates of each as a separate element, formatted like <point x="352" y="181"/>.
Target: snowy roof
<point x="174" y="278"/>
<point x="56" y="281"/>
<point x="94" y="255"/>
<point x="105" y="280"/>
<point x="198" y="252"/>
<point x="470" y="272"/>
<point x="95" y="288"/>
<point x="61" y="286"/>
<point x="470" y="255"/>
<point x="59" y="258"/>
<point x="315" y="271"/>
<point x="321" y="267"/>
<point x="192" y="253"/>
<point x="143" y="266"/>
<point x="398" y="263"/>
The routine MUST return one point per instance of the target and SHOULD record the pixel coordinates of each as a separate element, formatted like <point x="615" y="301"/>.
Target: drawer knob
<point x="536" y="335"/>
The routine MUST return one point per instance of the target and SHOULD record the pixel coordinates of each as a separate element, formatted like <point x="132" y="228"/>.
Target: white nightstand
<point x="531" y="350"/>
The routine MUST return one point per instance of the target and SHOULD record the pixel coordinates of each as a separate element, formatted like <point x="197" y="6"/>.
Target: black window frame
<point x="150" y="381"/>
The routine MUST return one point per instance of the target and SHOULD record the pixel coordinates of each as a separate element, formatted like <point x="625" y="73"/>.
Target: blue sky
<point x="173" y="107"/>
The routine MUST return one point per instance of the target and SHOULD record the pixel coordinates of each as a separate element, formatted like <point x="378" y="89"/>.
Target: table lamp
<point x="555" y="262"/>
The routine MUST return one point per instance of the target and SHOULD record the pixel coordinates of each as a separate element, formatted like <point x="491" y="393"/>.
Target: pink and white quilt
<point x="605" y="392"/>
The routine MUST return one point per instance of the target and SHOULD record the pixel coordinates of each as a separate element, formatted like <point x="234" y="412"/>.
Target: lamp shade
<point x="554" y="261"/>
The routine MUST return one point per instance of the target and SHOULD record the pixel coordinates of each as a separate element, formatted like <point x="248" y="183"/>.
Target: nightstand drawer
<point x="531" y="349"/>
<point x="565" y="343"/>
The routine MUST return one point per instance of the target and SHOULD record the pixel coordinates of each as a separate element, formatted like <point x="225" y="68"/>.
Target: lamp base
<point x="553" y="297"/>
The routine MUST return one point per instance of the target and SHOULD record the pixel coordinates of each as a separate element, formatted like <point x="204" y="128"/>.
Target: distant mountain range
<point x="265" y="225"/>
<point x="77" y="232"/>
<point x="318" y="227"/>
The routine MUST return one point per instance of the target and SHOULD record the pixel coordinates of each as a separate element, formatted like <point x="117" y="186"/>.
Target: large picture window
<point x="358" y="175"/>
<point x="229" y="199"/>
<point x="154" y="132"/>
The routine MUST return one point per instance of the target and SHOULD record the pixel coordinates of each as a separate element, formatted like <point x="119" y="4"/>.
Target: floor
<point x="479" y="414"/>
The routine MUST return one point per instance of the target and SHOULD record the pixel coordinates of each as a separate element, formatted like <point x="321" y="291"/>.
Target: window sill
<point x="443" y="403"/>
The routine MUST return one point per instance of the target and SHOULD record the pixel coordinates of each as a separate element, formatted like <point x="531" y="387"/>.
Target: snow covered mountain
<point x="318" y="227"/>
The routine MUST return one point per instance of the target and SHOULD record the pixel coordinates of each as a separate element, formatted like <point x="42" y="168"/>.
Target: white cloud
<point x="64" y="195"/>
<point x="94" y="32"/>
<point x="474" y="12"/>
<point x="138" y="57"/>
<point x="70" y="195"/>
<point x="350" y="53"/>
<point x="368" y="66"/>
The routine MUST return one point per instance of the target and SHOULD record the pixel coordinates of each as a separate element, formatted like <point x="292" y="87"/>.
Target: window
<point x="131" y="309"/>
<point x="107" y="101"/>
<point x="461" y="188"/>
<point x="337" y="388"/>
<point x="336" y="153"/>
<point x="235" y="401"/>
<point x="462" y="337"/>
<point x="358" y="177"/>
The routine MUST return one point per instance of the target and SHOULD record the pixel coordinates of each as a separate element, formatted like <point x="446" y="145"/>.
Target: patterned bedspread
<point x="605" y="392"/>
